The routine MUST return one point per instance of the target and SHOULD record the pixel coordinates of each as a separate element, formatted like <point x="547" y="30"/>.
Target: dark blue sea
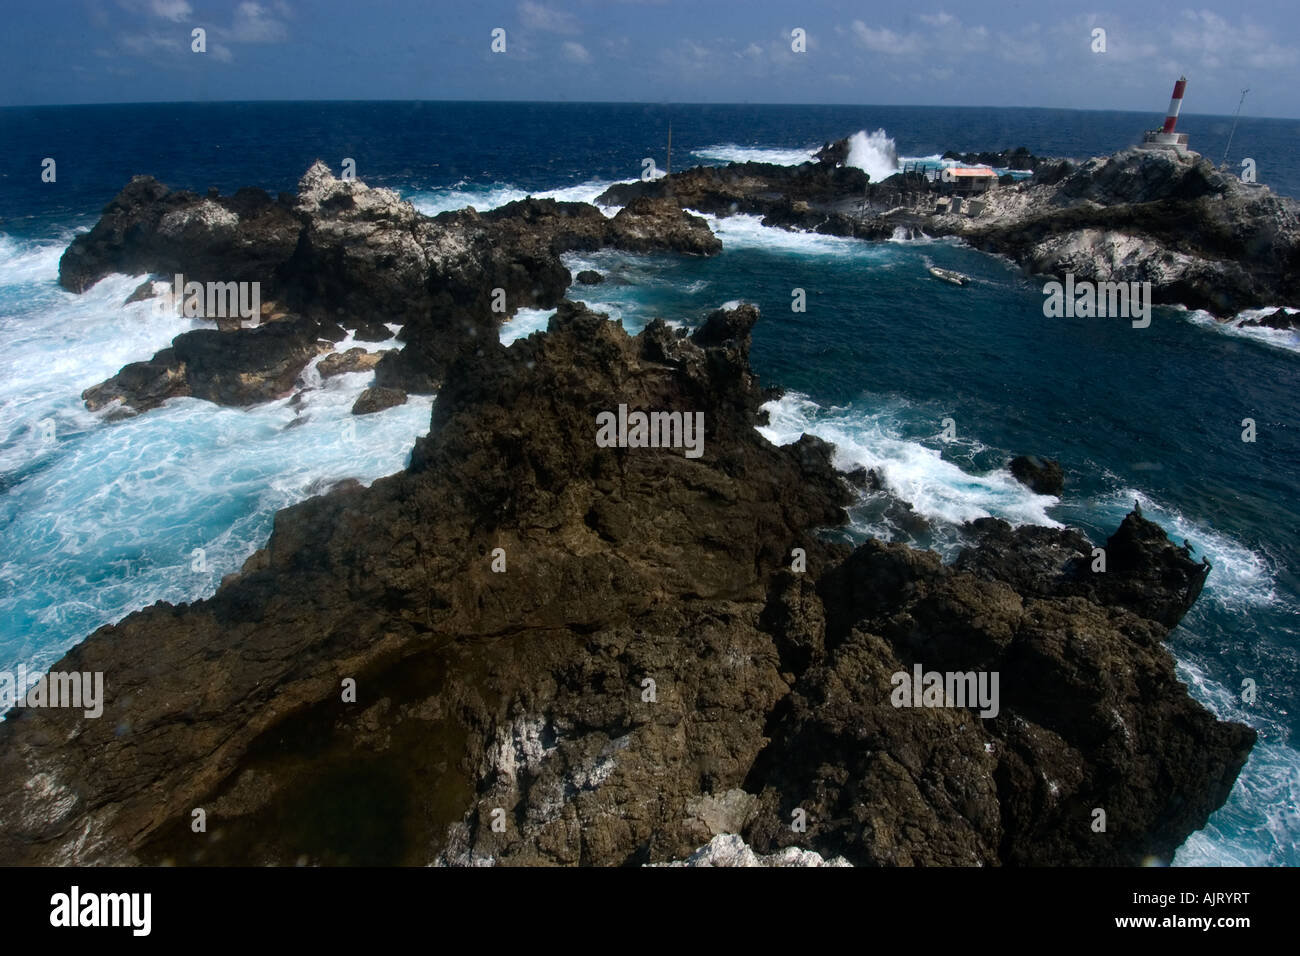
<point x="98" y="520"/>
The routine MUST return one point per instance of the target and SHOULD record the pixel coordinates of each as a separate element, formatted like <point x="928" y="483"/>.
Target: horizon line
<point x="664" y="104"/>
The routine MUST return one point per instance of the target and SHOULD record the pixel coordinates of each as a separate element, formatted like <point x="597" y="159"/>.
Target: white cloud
<point x="173" y="10"/>
<point x="144" y="44"/>
<point x="1210" y="40"/>
<point x="540" y="17"/>
<point x="575" y="52"/>
<point x="938" y="19"/>
<point x="254" y="23"/>
<point x="885" y="40"/>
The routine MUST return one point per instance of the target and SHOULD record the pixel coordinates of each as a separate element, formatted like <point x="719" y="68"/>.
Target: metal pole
<point x="1234" y="126"/>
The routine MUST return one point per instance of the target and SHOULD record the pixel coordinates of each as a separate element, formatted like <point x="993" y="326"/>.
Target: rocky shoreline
<point x="1200" y="236"/>
<point x="561" y="653"/>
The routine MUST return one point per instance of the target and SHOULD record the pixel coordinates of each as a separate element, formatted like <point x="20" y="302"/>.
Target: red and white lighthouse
<point x="1165" y="137"/>
<point x="1175" y="104"/>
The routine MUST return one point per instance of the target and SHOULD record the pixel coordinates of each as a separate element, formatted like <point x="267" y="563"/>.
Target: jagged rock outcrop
<point x="1279" y="319"/>
<point x="229" y="368"/>
<point x="150" y="228"/>
<point x="353" y="360"/>
<point x="341" y="254"/>
<point x="1200" y="236"/>
<point x="942" y="786"/>
<point x="753" y="188"/>
<point x="608" y="650"/>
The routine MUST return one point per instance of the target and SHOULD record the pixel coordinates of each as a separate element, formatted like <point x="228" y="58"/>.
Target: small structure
<point x="1165" y="137"/>
<point x="968" y="180"/>
<point x="974" y="207"/>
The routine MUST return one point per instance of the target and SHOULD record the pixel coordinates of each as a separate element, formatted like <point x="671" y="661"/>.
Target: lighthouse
<point x="1165" y="137"/>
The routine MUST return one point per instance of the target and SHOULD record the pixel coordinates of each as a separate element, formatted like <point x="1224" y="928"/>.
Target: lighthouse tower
<point x="1165" y="137"/>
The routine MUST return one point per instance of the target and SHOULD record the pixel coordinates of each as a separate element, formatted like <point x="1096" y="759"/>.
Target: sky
<point x="916" y="52"/>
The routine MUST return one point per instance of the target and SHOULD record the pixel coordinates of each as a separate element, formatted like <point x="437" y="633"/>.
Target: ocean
<point x="99" y="520"/>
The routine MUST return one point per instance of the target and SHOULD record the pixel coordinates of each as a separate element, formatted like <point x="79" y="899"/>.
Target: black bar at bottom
<point x="300" y="906"/>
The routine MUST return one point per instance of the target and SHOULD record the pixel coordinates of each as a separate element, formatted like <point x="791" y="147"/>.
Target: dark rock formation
<point x="607" y="644"/>
<point x="618" y="651"/>
<point x="1198" y="235"/>
<point x="229" y="368"/>
<point x="377" y="399"/>
<point x="353" y="360"/>
<point x="342" y="254"/>
<point x="833" y="154"/>
<point x="1043" y="475"/>
<point x="1201" y="237"/>
<point x="1140" y="569"/>
<point x="646" y="224"/>
<point x="754" y="188"/>
<point x="1018" y="158"/>
<point x="1279" y="319"/>
<point x="372" y="332"/>
<point x="1090" y="715"/>
<point x="589" y="277"/>
<point x="149" y="228"/>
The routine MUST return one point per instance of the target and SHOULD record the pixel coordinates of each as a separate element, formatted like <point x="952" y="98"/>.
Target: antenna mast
<point x="1234" y="126"/>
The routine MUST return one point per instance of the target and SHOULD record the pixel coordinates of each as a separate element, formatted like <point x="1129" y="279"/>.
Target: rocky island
<point x="1199" y="235"/>
<point x="528" y="649"/>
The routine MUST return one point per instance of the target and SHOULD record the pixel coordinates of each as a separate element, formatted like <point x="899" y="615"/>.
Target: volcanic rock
<point x="620" y="649"/>
<point x="1279" y="319"/>
<point x="353" y="360"/>
<point x="340" y="252"/>
<point x="376" y="399"/>
<point x="1201" y="237"/>
<point x="255" y="365"/>
<point x="1043" y="475"/>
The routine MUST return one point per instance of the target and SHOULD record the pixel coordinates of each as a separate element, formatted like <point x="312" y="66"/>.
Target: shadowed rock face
<point x="1090" y="713"/>
<point x="150" y="228"/>
<point x="229" y="368"/>
<point x="641" y="655"/>
<point x="1043" y="475"/>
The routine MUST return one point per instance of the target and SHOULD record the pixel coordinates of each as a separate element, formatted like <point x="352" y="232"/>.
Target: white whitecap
<point x="1285" y="339"/>
<point x="917" y="473"/>
<point x="523" y="324"/>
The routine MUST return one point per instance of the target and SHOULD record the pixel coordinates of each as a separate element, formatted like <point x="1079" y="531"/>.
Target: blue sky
<point x="991" y="53"/>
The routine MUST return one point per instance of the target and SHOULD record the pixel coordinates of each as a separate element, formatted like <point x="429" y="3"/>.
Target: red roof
<point x="971" y="171"/>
